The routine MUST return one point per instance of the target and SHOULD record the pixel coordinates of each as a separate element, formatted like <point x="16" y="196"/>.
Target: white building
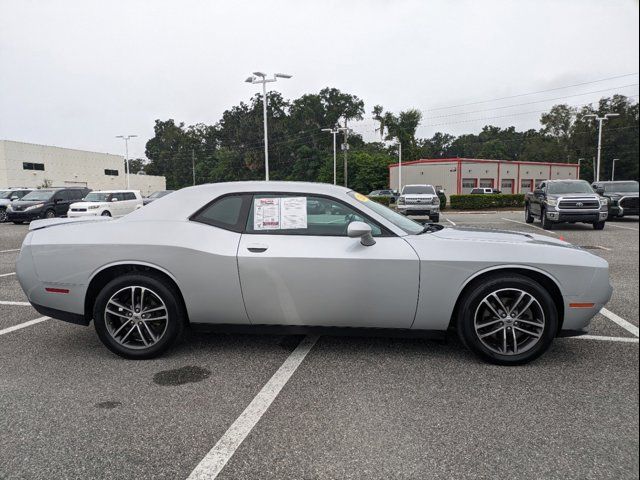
<point x="461" y="175"/>
<point x="31" y="165"/>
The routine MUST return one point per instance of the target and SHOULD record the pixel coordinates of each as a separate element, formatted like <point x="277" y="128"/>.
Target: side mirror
<point x="538" y="191"/>
<point x="13" y="199"/>
<point x="361" y="230"/>
<point x="600" y="191"/>
<point x="114" y="199"/>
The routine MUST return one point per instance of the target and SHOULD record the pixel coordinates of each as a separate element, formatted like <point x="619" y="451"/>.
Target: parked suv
<point x="623" y="197"/>
<point x="44" y="203"/>
<point x="485" y="191"/>
<point x="556" y="201"/>
<point x="419" y="200"/>
<point x="107" y="203"/>
<point x="10" y="195"/>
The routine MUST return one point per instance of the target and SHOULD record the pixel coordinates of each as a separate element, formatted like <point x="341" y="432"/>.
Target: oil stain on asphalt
<point x="180" y="376"/>
<point x="108" y="405"/>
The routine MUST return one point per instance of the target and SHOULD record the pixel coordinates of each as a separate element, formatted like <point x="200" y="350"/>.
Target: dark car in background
<point x="44" y="203"/>
<point x="622" y="195"/>
<point x="155" y="196"/>
<point x="390" y="194"/>
<point x="485" y="191"/>
<point x="8" y="196"/>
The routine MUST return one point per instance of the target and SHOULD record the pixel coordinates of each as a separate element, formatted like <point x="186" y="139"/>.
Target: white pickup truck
<point x="419" y="200"/>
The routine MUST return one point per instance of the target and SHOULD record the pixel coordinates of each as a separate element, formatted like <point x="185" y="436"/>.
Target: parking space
<point x="354" y="408"/>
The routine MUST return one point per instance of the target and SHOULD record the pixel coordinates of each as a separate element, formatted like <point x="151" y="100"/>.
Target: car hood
<point x="27" y="203"/>
<point x="87" y="204"/>
<point x="610" y="194"/>
<point x="593" y="196"/>
<point x="497" y="236"/>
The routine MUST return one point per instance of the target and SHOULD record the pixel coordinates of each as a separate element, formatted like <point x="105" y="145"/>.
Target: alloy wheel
<point x="136" y="317"/>
<point x="509" y="321"/>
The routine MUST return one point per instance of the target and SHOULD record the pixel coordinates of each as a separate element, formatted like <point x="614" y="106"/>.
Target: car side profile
<point x="485" y="191"/>
<point x="107" y="203"/>
<point x="44" y="203"/>
<point x="253" y="255"/>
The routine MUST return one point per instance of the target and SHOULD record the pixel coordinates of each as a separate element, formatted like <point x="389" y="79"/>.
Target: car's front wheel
<point x="138" y="316"/>
<point x="544" y="221"/>
<point x="3" y="215"/>
<point x="598" y="225"/>
<point x="528" y="218"/>
<point x="507" y="320"/>
<point x="435" y="218"/>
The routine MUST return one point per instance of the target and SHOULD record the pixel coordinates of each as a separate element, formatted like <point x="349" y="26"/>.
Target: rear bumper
<point x="69" y="317"/>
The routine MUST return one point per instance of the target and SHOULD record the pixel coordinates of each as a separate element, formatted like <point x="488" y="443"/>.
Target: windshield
<point x="160" y="193"/>
<point x="38" y="195"/>
<point x="621" y="187"/>
<point x="569" y="187"/>
<point x="398" y="220"/>
<point x="96" y="197"/>
<point x="418" y="190"/>
<point x="5" y="194"/>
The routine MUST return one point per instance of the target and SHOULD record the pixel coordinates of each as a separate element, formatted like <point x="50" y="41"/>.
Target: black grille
<point x="579" y="204"/>
<point x="629" y="202"/>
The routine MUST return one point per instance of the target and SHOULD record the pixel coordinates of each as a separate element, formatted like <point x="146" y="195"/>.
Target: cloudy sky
<point x="77" y="73"/>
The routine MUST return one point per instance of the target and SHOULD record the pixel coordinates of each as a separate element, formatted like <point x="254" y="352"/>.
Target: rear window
<point x="227" y="212"/>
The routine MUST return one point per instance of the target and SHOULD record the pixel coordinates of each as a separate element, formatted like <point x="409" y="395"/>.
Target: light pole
<point x="399" y="166"/>
<point x="126" y="153"/>
<point x="600" y="121"/>
<point x="613" y="169"/>
<point x="334" y="131"/>
<point x="259" y="77"/>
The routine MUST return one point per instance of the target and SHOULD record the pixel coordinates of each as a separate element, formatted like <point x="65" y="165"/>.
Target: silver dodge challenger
<point x="298" y="257"/>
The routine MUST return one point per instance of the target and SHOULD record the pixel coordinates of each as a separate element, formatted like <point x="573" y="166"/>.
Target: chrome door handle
<point x="257" y="247"/>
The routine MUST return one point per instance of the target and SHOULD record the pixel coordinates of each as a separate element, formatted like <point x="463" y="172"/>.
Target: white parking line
<point x="213" y="463"/>
<point x="608" y="339"/>
<point x="23" y="325"/>
<point x="7" y="274"/>
<point x="609" y="224"/>
<point x="19" y="304"/>
<point x="530" y="225"/>
<point x="452" y="223"/>
<point x="629" y="327"/>
<point x="12" y="250"/>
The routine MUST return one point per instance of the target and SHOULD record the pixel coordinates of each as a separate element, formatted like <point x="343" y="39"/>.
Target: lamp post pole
<point x="334" y="131"/>
<point x="613" y="169"/>
<point x="600" y="121"/>
<point x="259" y="77"/>
<point x="126" y="153"/>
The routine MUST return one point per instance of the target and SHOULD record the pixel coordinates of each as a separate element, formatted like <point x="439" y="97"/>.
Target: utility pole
<point x="613" y="169"/>
<point x="345" y="148"/>
<point x="600" y="121"/>
<point x="259" y="77"/>
<point x="193" y="165"/>
<point x="126" y="153"/>
<point x="334" y="131"/>
<point x="399" y="166"/>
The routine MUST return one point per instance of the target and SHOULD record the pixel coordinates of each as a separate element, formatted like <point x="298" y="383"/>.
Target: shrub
<point x="386" y="201"/>
<point x="480" y="202"/>
<point x="443" y="200"/>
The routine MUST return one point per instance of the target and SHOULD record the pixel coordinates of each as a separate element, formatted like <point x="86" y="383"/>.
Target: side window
<point x="227" y="212"/>
<point x="303" y="215"/>
<point x="129" y="196"/>
<point x="62" y="195"/>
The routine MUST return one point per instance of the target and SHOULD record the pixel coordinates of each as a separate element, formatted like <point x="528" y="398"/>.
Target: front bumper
<point x="590" y="216"/>
<point x="24" y="216"/>
<point x="419" y="209"/>
<point x="89" y="213"/>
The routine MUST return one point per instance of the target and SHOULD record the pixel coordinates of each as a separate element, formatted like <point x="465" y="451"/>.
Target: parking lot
<point x="355" y="407"/>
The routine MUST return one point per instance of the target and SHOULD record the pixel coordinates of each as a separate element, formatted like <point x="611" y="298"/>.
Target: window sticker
<point x="293" y="213"/>
<point x="361" y="197"/>
<point x="266" y="214"/>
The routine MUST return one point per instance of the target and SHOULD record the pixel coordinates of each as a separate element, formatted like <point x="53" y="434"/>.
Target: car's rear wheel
<point x="528" y="218"/>
<point x="508" y="320"/>
<point x="598" y="225"/>
<point x="138" y="316"/>
<point x="106" y="213"/>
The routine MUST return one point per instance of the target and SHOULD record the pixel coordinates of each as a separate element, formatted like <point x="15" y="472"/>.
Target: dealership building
<point x="31" y="165"/>
<point x="461" y="175"/>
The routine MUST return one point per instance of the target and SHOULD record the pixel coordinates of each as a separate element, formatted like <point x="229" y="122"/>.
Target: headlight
<point x="34" y="207"/>
<point x="436" y="201"/>
<point x="552" y="202"/>
<point x="604" y="202"/>
<point x="401" y="201"/>
<point x="93" y="207"/>
<point x="9" y="208"/>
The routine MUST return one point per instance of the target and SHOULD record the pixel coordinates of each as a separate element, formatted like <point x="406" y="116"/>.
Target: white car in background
<point x="107" y="203"/>
<point x="419" y="200"/>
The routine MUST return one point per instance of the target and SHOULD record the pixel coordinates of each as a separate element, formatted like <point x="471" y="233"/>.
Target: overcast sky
<point x="77" y="73"/>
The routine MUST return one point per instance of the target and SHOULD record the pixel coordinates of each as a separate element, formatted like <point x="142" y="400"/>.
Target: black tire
<point x="528" y="218"/>
<point x="546" y="223"/>
<point x="598" y="225"/>
<point x="435" y="218"/>
<point x="161" y="288"/>
<point x="478" y="291"/>
<point x="49" y="214"/>
<point x="106" y="213"/>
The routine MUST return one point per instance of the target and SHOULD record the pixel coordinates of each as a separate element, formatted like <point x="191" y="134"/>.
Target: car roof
<point x="115" y="191"/>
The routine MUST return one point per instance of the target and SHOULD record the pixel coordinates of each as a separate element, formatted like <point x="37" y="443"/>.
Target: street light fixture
<point x="334" y="131"/>
<point x="600" y="121"/>
<point x="260" y="77"/>
<point x="613" y="169"/>
<point x="126" y="153"/>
